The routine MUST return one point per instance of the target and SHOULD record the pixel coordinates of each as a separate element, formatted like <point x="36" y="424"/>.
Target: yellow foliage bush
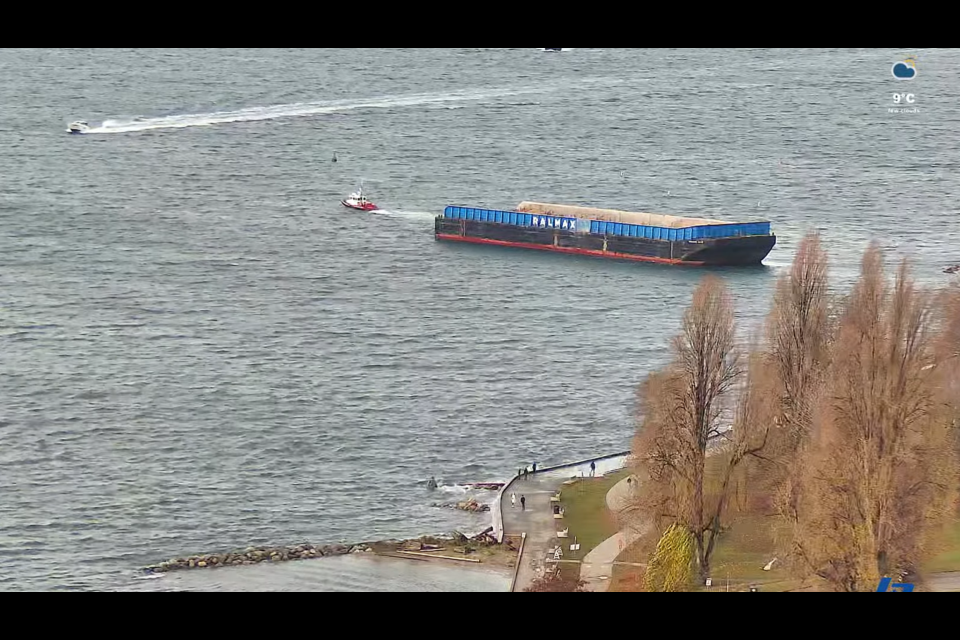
<point x="671" y="567"/>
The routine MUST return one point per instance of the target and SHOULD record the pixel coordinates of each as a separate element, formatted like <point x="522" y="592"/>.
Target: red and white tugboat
<point x="359" y="201"/>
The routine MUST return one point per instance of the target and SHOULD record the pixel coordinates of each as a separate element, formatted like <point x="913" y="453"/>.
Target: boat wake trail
<point x="300" y="109"/>
<point x="418" y="215"/>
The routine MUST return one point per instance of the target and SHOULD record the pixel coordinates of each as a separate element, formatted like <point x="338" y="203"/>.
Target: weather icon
<point x="906" y="70"/>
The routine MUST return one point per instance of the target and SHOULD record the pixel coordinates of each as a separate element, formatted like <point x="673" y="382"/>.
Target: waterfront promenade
<point x="537" y="519"/>
<point x="538" y="523"/>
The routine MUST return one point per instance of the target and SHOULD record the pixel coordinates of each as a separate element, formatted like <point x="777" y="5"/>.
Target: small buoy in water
<point x="334" y="156"/>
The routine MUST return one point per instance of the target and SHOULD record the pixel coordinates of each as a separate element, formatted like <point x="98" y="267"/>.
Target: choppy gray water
<point x="201" y="349"/>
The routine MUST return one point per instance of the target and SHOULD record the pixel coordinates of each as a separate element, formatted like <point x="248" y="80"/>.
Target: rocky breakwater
<point x="466" y="505"/>
<point x="256" y="555"/>
<point x="458" y="543"/>
<point x="473" y="505"/>
<point x="489" y="486"/>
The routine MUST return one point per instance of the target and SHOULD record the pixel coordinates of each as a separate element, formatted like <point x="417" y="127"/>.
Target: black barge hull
<point x="738" y="251"/>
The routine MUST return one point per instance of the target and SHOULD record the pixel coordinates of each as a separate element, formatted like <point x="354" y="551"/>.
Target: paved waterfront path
<point x="945" y="582"/>
<point x="537" y="520"/>
<point x="597" y="566"/>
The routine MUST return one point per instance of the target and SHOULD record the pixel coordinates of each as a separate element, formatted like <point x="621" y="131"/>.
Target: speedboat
<point x="357" y="200"/>
<point x="78" y="127"/>
<point x="545" y="49"/>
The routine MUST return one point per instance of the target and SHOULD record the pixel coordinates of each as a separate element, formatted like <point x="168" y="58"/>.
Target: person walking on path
<point x="523" y="503"/>
<point x="513" y="500"/>
<point x="593" y="468"/>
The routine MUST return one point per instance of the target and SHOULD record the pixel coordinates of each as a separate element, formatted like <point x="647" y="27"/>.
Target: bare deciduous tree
<point x="682" y="407"/>
<point x="798" y="332"/>
<point x="950" y="335"/>
<point x="877" y="474"/>
<point x="708" y="367"/>
<point x="857" y="416"/>
<point x="757" y="411"/>
<point x="664" y="497"/>
<point x="948" y="348"/>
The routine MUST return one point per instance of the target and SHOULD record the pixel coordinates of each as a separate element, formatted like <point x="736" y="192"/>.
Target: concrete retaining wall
<point x="601" y="468"/>
<point x="496" y="510"/>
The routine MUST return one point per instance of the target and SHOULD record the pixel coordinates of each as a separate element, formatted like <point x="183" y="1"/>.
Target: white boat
<point x="78" y="127"/>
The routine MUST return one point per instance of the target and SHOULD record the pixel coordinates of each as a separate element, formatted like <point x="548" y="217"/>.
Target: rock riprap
<point x="467" y="505"/>
<point x="256" y="555"/>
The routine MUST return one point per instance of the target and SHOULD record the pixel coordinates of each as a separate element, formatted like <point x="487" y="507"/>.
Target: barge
<point x="609" y="233"/>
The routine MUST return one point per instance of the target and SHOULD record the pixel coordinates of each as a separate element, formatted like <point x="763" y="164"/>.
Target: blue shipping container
<point x="600" y="227"/>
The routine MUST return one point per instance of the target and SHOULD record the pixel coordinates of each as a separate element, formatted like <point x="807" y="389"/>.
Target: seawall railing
<point x="496" y="510"/>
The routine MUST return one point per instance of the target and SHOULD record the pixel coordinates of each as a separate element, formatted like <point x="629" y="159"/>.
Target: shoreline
<point x="493" y="548"/>
<point x="480" y="549"/>
<point x="358" y="573"/>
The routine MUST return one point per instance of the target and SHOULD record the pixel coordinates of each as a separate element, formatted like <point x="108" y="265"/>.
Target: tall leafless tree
<point x="682" y="408"/>
<point x="879" y="471"/>
<point x="798" y="332"/>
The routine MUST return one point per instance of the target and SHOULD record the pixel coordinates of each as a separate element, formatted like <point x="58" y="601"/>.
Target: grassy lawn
<point x="949" y="557"/>
<point x="750" y="542"/>
<point x="738" y="561"/>
<point x="741" y="551"/>
<point x="745" y="548"/>
<point x="586" y="514"/>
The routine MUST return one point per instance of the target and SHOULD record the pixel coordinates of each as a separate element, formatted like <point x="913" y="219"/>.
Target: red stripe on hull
<point x="573" y="250"/>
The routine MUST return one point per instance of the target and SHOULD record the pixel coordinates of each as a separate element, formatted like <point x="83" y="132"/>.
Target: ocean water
<point x="201" y="350"/>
